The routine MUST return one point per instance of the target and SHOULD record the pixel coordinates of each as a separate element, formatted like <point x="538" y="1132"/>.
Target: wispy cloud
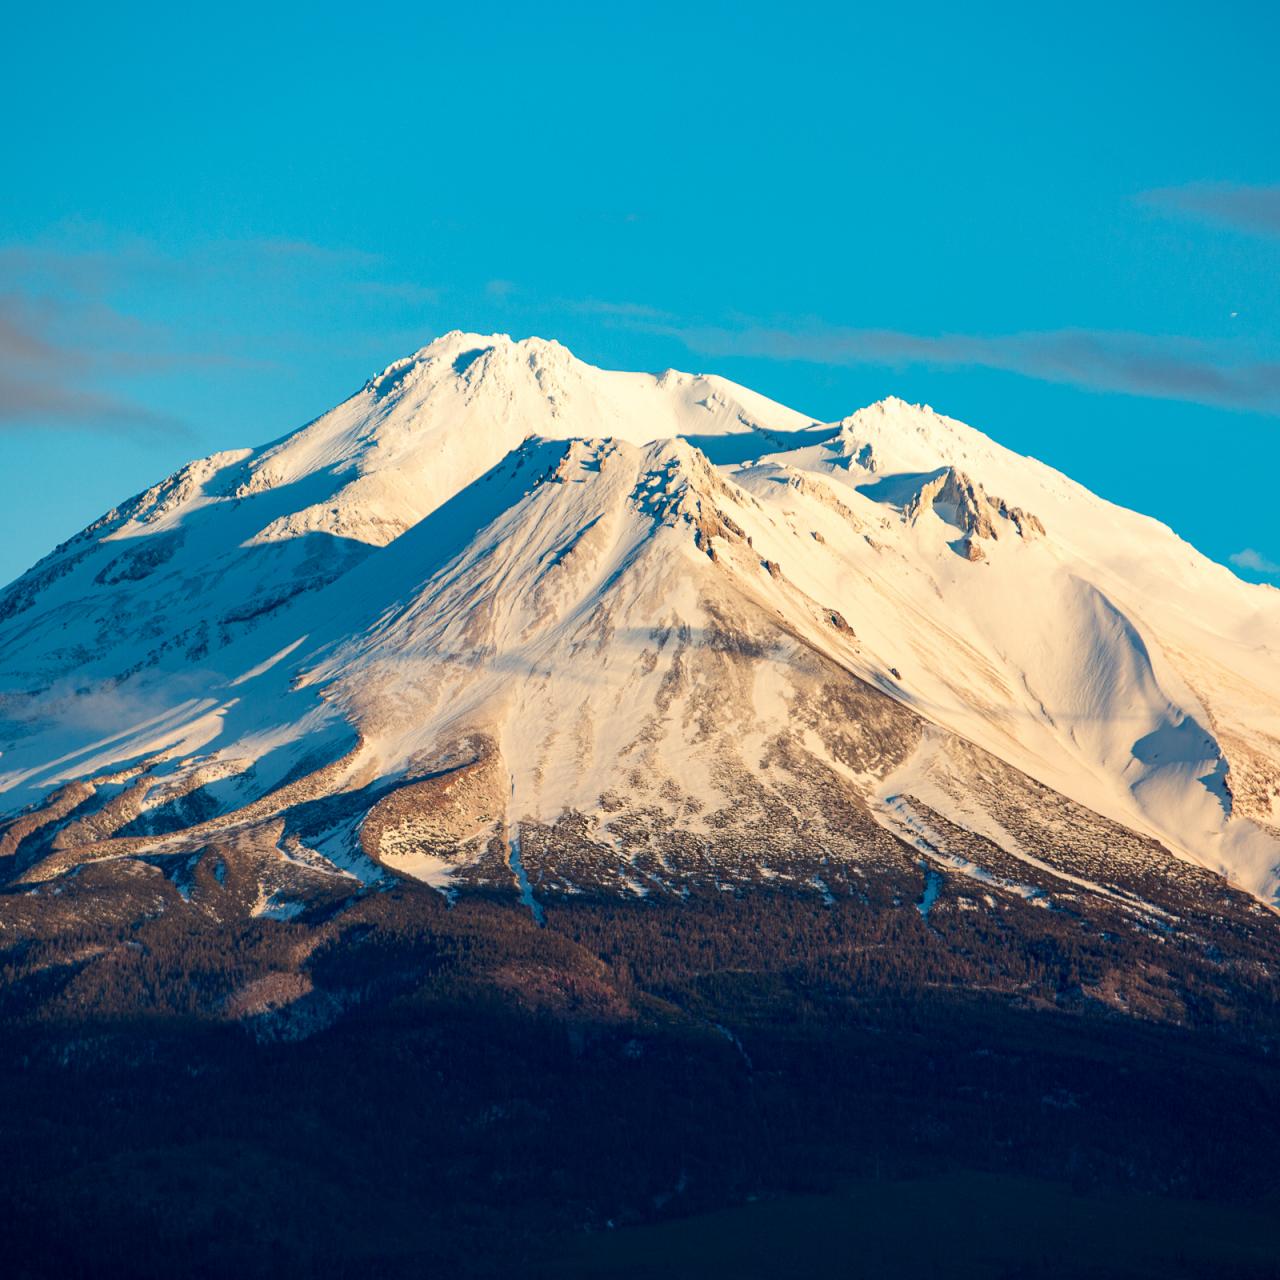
<point x="24" y="403"/>
<point x="401" y="291"/>
<point x="1220" y="373"/>
<point x="89" y="263"/>
<point x="46" y="382"/>
<point x="1254" y="561"/>
<point x="1170" y="367"/>
<point x="615" y="310"/>
<point x="69" y="331"/>
<point x="1254" y="209"/>
<point x="84" y="263"/>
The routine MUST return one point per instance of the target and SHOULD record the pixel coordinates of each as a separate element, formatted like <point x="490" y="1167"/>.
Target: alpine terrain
<point x="522" y="755"/>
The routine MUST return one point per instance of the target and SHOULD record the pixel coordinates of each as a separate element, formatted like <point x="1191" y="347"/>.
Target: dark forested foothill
<point x="390" y="1085"/>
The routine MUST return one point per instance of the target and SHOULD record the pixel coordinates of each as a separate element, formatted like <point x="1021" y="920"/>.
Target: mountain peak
<point x="459" y="350"/>
<point x="433" y="422"/>
<point x="914" y="430"/>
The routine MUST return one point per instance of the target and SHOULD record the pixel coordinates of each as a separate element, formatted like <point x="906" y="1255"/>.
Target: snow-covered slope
<point x="504" y="617"/>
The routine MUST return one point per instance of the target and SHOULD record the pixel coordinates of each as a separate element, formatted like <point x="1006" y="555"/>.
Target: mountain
<point x="532" y="799"/>
<point x="655" y="632"/>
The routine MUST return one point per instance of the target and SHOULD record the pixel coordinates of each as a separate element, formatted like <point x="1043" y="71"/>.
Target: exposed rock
<point x="967" y="504"/>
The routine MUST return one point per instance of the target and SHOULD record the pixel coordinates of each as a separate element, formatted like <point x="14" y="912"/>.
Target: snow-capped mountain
<point x="505" y="620"/>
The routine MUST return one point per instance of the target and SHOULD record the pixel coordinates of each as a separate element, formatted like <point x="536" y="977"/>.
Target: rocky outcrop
<point x="965" y="503"/>
<point x="441" y="815"/>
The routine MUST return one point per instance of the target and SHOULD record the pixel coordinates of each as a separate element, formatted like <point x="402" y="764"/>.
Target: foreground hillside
<point x="396" y="1087"/>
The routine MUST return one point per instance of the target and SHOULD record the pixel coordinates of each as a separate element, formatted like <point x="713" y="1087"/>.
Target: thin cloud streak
<point x="41" y="378"/>
<point x="93" y="267"/>
<point x="1254" y="561"/>
<point x="24" y="404"/>
<point x="1168" y="368"/>
<point x="1255" y="209"/>
<point x="61" y="336"/>
<point x="622" y="311"/>
<point x="401" y="291"/>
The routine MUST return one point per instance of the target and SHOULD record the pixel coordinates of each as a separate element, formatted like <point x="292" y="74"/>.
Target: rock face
<point x="507" y="624"/>
<point x="968" y="506"/>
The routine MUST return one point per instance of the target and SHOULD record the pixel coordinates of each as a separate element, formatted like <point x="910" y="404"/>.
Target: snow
<point x="932" y="887"/>
<point x="494" y="536"/>
<point x="270" y="905"/>
<point x="522" y="879"/>
<point x="430" y="868"/>
<point x="927" y="777"/>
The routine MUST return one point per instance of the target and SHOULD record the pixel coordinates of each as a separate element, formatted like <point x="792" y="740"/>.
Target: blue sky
<point x="1058" y="222"/>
